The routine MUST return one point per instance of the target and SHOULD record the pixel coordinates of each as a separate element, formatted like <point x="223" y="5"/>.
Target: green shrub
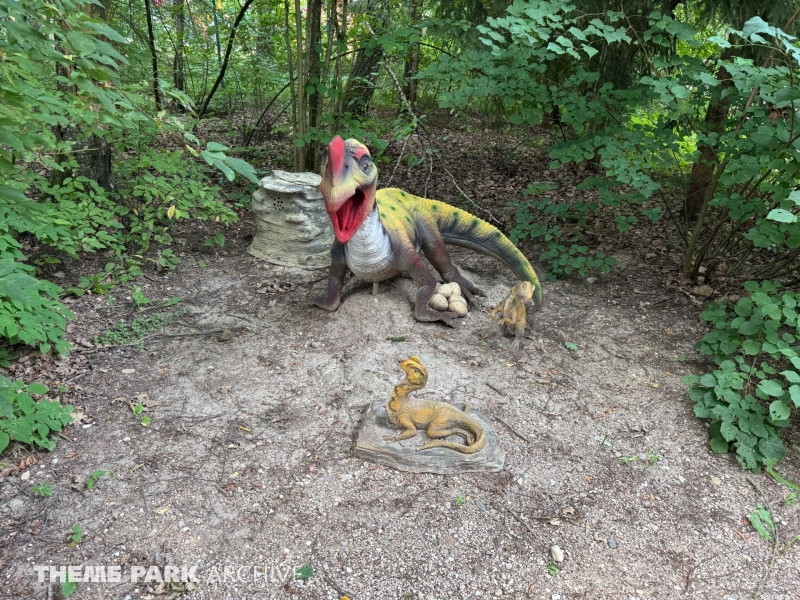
<point x="539" y="218"/>
<point x="750" y="396"/>
<point x="24" y="420"/>
<point x="30" y="312"/>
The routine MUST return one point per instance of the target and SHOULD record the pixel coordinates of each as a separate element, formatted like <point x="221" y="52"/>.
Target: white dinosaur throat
<point x="369" y="251"/>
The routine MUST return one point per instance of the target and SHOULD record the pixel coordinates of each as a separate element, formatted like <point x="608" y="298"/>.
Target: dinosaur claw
<point x="325" y="304"/>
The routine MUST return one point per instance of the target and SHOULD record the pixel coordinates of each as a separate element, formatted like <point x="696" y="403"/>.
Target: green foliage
<point x="565" y="254"/>
<point x="546" y="57"/>
<point x="137" y="410"/>
<point x="68" y="587"/>
<point x="762" y="522"/>
<point x="304" y="572"/>
<point x="94" y="477"/>
<point x="218" y="240"/>
<point x="30" y="312"/>
<point x="791" y="499"/>
<point x="141" y="327"/>
<point x="42" y="490"/>
<point x="26" y="421"/>
<point x="139" y="299"/>
<point x="77" y="534"/>
<point x="60" y="94"/>
<point x="757" y="383"/>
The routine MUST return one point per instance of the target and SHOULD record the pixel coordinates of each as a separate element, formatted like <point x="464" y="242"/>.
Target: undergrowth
<point x="755" y="343"/>
<point x="26" y="421"/>
<point x="138" y="329"/>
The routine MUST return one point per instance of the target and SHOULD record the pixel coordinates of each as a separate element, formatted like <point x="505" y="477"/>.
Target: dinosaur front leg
<point x="409" y="430"/>
<point x="331" y="300"/>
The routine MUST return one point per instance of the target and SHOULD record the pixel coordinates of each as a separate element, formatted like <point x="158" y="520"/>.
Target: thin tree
<point x="411" y="66"/>
<point x="224" y="66"/>
<point x="300" y="155"/>
<point x="313" y="40"/>
<point x="178" y="77"/>
<point x="153" y="56"/>
<point x="291" y="75"/>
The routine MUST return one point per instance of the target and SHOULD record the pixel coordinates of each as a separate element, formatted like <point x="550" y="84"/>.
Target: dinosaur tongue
<point x="348" y="218"/>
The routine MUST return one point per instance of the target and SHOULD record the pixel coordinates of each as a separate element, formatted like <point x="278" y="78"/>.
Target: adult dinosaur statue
<point x="379" y="234"/>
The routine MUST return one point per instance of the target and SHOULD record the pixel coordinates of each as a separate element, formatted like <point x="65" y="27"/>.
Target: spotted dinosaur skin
<point x="438" y="419"/>
<point x="380" y="234"/>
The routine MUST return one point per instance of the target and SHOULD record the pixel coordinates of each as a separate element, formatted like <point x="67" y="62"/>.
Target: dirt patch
<point x="246" y="462"/>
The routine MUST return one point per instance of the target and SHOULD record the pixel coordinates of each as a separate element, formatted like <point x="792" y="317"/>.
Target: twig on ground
<point x="775" y="543"/>
<point x="510" y="428"/>
<point x="489" y="385"/>
<point x="516" y="517"/>
<point x="342" y="592"/>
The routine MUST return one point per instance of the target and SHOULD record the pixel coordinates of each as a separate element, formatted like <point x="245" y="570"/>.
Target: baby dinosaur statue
<point x="511" y="313"/>
<point x="379" y="234"/>
<point x="439" y="420"/>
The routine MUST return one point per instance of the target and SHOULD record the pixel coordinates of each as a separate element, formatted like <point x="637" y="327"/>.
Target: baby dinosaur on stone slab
<point x="511" y="312"/>
<point x="439" y="420"/>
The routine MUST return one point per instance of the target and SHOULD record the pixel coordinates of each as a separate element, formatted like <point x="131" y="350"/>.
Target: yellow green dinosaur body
<point x="380" y="233"/>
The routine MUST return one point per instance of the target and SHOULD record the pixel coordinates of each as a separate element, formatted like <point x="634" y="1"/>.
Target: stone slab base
<point x="403" y="455"/>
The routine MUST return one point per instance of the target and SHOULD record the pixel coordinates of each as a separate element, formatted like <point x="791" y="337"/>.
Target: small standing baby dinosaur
<point x="511" y="313"/>
<point x="439" y="420"/>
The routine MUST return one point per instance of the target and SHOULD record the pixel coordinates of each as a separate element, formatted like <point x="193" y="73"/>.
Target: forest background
<point x="681" y="114"/>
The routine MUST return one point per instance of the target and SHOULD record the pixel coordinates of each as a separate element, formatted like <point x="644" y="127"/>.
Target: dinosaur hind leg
<point x="438" y="431"/>
<point x="435" y="251"/>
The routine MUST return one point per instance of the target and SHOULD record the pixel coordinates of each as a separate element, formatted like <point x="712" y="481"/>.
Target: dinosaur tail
<point x="476" y="446"/>
<point x="460" y="228"/>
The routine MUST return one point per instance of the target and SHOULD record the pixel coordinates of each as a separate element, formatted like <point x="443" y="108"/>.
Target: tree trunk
<point x="411" y="66"/>
<point x="341" y="39"/>
<point x="178" y="77"/>
<point x="300" y="155"/>
<point x="313" y="39"/>
<point x="291" y="74"/>
<point x="364" y="74"/>
<point x="93" y="154"/>
<point x="154" y="57"/>
<point x="224" y="65"/>
<point x="703" y="169"/>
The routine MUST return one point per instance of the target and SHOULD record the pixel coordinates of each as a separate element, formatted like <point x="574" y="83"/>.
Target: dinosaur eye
<point x="365" y="163"/>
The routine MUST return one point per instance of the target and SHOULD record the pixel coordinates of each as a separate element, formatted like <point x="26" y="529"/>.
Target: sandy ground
<point x="245" y="473"/>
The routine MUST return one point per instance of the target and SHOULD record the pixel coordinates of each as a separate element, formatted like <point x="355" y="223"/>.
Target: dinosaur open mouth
<point x="349" y="217"/>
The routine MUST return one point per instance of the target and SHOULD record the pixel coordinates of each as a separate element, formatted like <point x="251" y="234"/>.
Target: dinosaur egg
<point x="445" y="290"/>
<point x="438" y="302"/>
<point x="455" y="289"/>
<point x="458" y="305"/>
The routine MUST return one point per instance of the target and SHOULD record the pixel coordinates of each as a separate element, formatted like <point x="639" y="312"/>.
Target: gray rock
<point x="611" y="543"/>
<point x="480" y="506"/>
<point x="557" y="553"/>
<point x="292" y="226"/>
<point x="704" y="291"/>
